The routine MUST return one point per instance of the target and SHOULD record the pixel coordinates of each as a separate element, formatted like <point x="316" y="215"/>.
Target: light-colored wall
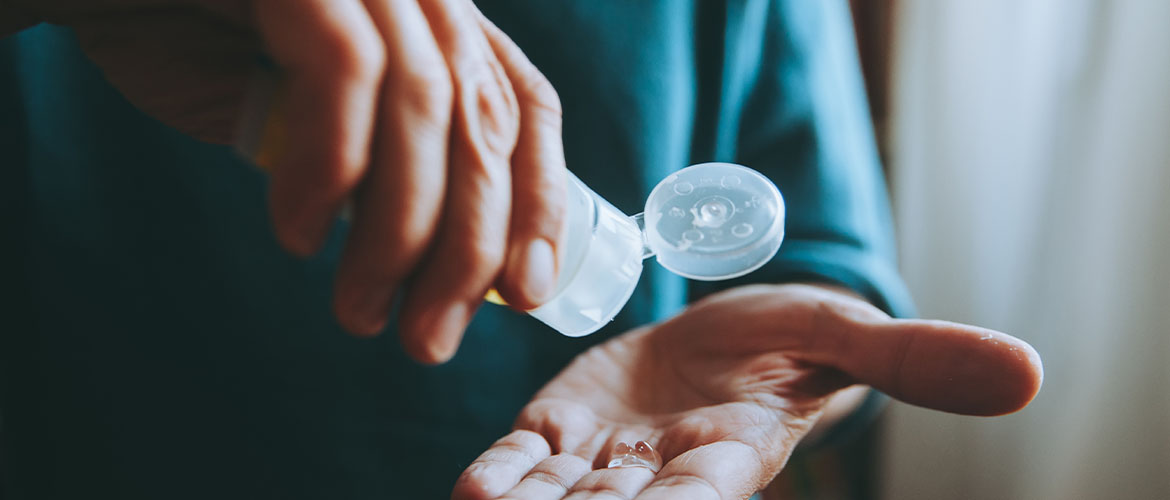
<point x="1030" y="157"/>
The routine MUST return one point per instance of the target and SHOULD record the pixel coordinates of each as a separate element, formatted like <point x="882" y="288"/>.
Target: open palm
<point x="727" y="389"/>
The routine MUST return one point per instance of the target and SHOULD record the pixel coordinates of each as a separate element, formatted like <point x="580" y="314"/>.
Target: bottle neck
<point x="639" y="220"/>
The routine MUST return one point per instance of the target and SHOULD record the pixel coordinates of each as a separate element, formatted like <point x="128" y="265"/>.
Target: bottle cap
<point x="714" y="221"/>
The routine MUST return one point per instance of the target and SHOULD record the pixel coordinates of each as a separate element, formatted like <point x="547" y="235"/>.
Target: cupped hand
<point x="421" y="112"/>
<point x="726" y="389"/>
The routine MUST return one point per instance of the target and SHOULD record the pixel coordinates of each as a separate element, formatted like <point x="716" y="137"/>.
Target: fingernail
<point x="537" y="271"/>
<point x="369" y="310"/>
<point x="446" y="330"/>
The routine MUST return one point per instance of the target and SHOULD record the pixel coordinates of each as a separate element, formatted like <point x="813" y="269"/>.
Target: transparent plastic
<point x="714" y="221"/>
<point x="710" y="221"/>
<point x="601" y="266"/>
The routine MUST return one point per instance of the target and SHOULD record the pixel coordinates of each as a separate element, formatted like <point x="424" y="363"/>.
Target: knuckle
<point x="353" y="56"/>
<point x="539" y="93"/>
<point x="494" y="103"/>
<point x="426" y="92"/>
<point x="502" y="455"/>
<point x="561" y="470"/>
<point x="592" y="484"/>
<point x="488" y="104"/>
<point x="550" y="478"/>
<point x="493" y="115"/>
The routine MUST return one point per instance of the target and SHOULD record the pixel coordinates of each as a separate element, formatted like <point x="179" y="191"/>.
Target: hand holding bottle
<point x="441" y="132"/>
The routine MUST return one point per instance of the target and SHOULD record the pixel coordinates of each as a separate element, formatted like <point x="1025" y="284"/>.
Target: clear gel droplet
<point x="639" y="455"/>
<point x="742" y="230"/>
<point x="692" y="235"/>
<point x="684" y="188"/>
<point x="730" y="181"/>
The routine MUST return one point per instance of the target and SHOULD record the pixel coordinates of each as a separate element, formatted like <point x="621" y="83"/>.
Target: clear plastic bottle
<point x="710" y="221"/>
<point x="601" y="266"/>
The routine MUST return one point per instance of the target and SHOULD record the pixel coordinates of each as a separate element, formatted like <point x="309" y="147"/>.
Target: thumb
<point x="937" y="364"/>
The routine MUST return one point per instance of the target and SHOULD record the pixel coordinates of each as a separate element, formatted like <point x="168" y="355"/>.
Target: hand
<point x="430" y="119"/>
<point x="726" y="389"/>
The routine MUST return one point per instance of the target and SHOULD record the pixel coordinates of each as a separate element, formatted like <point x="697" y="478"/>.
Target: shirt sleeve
<point x="793" y="106"/>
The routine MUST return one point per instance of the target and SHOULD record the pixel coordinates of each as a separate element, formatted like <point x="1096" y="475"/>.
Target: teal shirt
<point x="159" y="344"/>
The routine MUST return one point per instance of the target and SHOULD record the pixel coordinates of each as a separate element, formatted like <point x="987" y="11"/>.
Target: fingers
<point x="432" y="145"/>
<point x="638" y="461"/>
<point x="551" y="479"/>
<point x="611" y="484"/>
<point x="334" y="62"/>
<point x="726" y="469"/>
<point x="509" y="470"/>
<point x="502" y="466"/>
<point x="399" y="203"/>
<point x="539" y="180"/>
<point x="472" y="239"/>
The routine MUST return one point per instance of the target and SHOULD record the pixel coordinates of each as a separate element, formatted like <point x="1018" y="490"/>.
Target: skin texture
<point x="726" y="390"/>
<point x="437" y="128"/>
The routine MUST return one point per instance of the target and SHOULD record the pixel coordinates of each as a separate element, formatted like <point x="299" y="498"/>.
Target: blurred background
<point x="1028" y="150"/>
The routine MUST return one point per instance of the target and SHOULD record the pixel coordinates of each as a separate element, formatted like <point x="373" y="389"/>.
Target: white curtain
<point x="1030" y="148"/>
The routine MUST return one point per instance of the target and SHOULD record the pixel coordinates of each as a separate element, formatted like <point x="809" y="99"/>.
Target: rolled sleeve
<point x="802" y="119"/>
